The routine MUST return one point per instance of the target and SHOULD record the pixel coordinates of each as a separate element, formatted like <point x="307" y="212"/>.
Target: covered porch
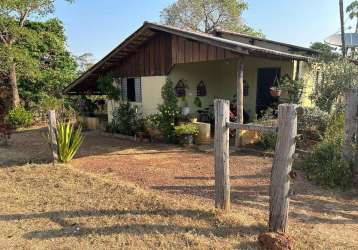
<point x="248" y="77"/>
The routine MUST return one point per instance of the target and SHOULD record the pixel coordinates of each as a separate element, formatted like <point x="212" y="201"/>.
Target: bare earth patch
<point x="91" y="205"/>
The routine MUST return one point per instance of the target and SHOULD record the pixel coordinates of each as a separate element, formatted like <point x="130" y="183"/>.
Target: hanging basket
<point x="275" y="92"/>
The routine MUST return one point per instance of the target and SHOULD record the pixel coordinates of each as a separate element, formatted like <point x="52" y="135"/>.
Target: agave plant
<point x="68" y="141"/>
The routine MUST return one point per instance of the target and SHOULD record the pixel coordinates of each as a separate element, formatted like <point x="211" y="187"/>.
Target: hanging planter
<point x="275" y="90"/>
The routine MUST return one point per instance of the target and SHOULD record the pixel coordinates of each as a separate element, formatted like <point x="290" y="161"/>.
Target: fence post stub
<point x="221" y="154"/>
<point x="52" y="134"/>
<point x="282" y="164"/>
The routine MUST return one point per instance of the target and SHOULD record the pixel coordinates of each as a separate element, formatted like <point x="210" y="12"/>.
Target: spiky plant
<point x="68" y="141"/>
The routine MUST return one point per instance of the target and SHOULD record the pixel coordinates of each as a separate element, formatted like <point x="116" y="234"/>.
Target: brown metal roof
<point x="148" y="30"/>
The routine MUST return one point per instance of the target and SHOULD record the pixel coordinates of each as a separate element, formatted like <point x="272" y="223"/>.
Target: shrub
<point x="19" y="117"/>
<point x="268" y="141"/>
<point x="313" y="123"/>
<point x="325" y="166"/>
<point x="125" y="120"/>
<point x="68" y="141"/>
<point x="187" y="129"/>
<point x="169" y="112"/>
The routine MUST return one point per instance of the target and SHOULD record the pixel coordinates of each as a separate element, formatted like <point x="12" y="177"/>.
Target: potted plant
<point x="275" y="90"/>
<point x="186" y="133"/>
<point x="185" y="109"/>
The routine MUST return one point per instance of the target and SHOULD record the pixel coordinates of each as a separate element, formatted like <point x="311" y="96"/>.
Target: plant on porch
<point x="169" y="112"/>
<point x="186" y="132"/>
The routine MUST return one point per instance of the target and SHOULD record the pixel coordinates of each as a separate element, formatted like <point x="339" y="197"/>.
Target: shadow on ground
<point x="69" y="229"/>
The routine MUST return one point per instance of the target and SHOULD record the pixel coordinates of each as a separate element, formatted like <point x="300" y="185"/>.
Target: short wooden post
<point x="239" y="101"/>
<point x="52" y="134"/>
<point x="282" y="164"/>
<point x="221" y="151"/>
<point x="351" y="99"/>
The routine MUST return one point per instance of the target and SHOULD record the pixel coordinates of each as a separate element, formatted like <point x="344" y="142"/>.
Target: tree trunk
<point x="15" y="98"/>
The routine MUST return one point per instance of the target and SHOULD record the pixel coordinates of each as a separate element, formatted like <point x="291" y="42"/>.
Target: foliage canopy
<point x="207" y="15"/>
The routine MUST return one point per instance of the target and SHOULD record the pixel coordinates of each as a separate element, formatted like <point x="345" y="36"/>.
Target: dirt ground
<point x="325" y="219"/>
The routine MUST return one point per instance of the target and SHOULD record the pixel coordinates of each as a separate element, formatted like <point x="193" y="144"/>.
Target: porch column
<point x="239" y="100"/>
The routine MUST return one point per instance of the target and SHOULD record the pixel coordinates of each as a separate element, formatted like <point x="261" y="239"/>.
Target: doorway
<point x="265" y="80"/>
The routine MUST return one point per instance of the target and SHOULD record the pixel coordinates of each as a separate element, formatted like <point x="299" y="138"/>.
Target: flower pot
<point x="185" y="111"/>
<point x="274" y="92"/>
<point x="187" y="140"/>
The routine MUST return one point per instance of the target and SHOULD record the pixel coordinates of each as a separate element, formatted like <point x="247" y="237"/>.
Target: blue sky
<point x="97" y="26"/>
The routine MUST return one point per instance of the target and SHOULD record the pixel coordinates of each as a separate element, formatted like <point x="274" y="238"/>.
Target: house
<point x="207" y="66"/>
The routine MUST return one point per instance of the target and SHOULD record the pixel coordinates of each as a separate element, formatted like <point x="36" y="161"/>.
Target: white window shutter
<point x="124" y="89"/>
<point x="138" y="89"/>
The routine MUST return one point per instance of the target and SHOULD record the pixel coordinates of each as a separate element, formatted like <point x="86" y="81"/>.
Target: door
<point x="265" y="80"/>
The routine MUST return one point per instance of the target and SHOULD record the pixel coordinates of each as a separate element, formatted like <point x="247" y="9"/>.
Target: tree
<point x="84" y="62"/>
<point x="327" y="52"/>
<point x="207" y="15"/>
<point x="14" y="14"/>
<point x="52" y="65"/>
<point x="352" y="10"/>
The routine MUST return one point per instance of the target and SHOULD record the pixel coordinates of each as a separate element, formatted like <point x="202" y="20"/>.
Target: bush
<point x="125" y="120"/>
<point x="313" y="123"/>
<point x="268" y="141"/>
<point x="68" y="141"/>
<point x="325" y="166"/>
<point x="19" y="117"/>
<point x="187" y="129"/>
<point x="169" y="112"/>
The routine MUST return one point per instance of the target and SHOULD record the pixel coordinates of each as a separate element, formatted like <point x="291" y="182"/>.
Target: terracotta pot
<point x="275" y="92"/>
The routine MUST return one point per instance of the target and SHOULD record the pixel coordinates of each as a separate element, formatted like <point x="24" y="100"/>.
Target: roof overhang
<point x="147" y="31"/>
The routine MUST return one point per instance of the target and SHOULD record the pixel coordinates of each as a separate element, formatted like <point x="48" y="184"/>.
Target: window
<point x="132" y="89"/>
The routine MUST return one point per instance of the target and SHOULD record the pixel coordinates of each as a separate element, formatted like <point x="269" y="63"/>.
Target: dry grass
<point x="62" y="207"/>
<point x="46" y="207"/>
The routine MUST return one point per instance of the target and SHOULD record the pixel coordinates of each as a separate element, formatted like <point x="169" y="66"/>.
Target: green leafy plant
<point x="198" y="102"/>
<point x="125" y="120"/>
<point x="169" y="112"/>
<point x="313" y="123"/>
<point x="294" y="88"/>
<point x="331" y="79"/>
<point x="68" y="141"/>
<point x="268" y="141"/>
<point x="19" y="117"/>
<point x="186" y="129"/>
<point x="325" y="166"/>
<point x="106" y="85"/>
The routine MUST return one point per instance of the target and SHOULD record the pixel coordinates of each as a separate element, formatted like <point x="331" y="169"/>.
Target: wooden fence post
<point x="221" y="153"/>
<point x="282" y="164"/>
<point x="52" y="126"/>
<point x="351" y="99"/>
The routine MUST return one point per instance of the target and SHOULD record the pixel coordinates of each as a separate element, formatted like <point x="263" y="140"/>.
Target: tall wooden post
<point x="343" y="38"/>
<point x="282" y="164"/>
<point x="351" y="99"/>
<point x="52" y="134"/>
<point x="239" y="101"/>
<point x="221" y="151"/>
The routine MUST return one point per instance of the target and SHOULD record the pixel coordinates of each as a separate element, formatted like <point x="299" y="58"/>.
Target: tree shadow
<point x="69" y="229"/>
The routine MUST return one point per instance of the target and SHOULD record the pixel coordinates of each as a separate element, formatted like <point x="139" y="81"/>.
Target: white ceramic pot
<point x="185" y="111"/>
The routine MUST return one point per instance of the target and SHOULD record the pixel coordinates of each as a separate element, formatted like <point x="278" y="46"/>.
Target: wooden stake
<point x="221" y="151"/>
<point x="52" y="134"/>
<point x="239" y="102"/>
<point x="282" y="164"/>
